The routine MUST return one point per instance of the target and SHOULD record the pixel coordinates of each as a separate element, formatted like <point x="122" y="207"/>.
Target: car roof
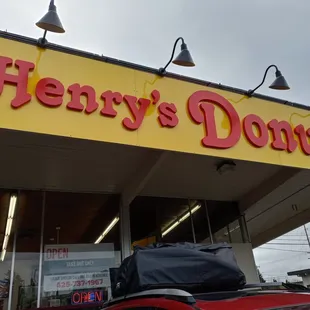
<point x="265" y="300"/>
<point x="251" y="293"/>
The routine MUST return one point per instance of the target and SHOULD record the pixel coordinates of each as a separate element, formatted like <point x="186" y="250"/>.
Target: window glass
<point x="168" y="220"/>
<point x="155" y="219"/>
<point x="6" y="258"/>
<point x="24" y="211"/>
<point x="81" y="247"/>
<point x="230" y="233"/>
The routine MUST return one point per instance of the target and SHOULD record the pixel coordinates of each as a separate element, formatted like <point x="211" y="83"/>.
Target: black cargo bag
<point x="194" y="268"/>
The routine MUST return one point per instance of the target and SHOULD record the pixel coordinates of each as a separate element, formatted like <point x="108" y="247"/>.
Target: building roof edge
<point x="76" y="52"/>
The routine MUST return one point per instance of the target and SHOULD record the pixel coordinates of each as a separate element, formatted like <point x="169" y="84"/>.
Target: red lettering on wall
<point x="50" y="92"/>
<point x="137" y="113"/>
<point x="248" y="123"/>
<point x="109" y="99"/>
<point x="167" y="115"/>
<point x="303" y="137"/>
<point x="155" y="96"/>
<point x="277" y="128"/>
<point x="77" y="91"/>
<point x="20" y="80"/>
<point x="201" y="109"/>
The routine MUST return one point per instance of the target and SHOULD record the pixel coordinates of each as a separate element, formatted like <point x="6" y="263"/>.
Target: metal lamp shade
<point x="279" y="83"/>
<point x="184" y="58"/>
<point x="50" y="21"/>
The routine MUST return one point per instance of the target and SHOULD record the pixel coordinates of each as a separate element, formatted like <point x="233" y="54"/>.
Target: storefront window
<point x="5" y="269"/>
<point x="20" y="265"/>
<point x="6" y="252"/>
<point x="169" y="220"/>
<point x="62" y="247"/>
<point x="27" y="254"/>
<point x="230" y="233"/>
<point x="162" y="220"/>
<point x="81" y="247"/>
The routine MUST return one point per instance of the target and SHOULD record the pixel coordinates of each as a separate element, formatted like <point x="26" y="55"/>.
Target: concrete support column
<point x="244" y="229"/>
<point x="125" y="233"/>
<point x="132" y="189"/>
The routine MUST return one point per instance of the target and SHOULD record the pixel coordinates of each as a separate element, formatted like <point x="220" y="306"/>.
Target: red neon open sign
<point x="89" y="297"/>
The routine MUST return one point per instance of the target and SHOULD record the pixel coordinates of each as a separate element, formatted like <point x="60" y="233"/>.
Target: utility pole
<point x="306" y="232"/>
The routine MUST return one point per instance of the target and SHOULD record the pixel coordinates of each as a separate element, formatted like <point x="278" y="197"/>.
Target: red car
<point x="247" y="299"/>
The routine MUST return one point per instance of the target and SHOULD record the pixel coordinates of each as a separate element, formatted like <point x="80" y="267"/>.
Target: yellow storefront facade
<point x="99" y="155"/>
<point x="96" y="100"/>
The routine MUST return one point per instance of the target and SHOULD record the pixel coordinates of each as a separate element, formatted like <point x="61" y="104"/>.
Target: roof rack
<point x="286" y="286"/>
<point x="175" y="294"/>
<point x="262" y="285"/>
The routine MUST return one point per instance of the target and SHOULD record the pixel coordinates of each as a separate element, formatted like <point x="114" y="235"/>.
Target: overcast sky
<point x="232" y="43"/>
<point x="289" y="252"/>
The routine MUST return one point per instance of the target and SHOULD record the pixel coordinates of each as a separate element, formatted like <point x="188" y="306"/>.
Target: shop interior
<point x="88" y="225"/>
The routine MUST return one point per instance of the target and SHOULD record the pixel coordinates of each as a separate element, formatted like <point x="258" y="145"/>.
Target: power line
<point x="283" y="250"/>
<point x="287" y="235"/>
<point x="288" y="239"/>
<point x="281" y="260"/>
<point x="285" y="243"/>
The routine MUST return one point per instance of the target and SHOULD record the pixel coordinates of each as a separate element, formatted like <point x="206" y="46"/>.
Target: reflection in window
<point x="70" y="262"/>
<point x="24" y="246"/>
<point x="169" y="220"/>
<point x="81" y="245"/>
<point x="162" y="219"/>
<point x="230" y="233"/>
<point x="6" y="221"/>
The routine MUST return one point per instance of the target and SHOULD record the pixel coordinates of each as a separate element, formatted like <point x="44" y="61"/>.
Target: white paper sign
<point x="77" y="251"/>
<point x="69" y="282"/>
